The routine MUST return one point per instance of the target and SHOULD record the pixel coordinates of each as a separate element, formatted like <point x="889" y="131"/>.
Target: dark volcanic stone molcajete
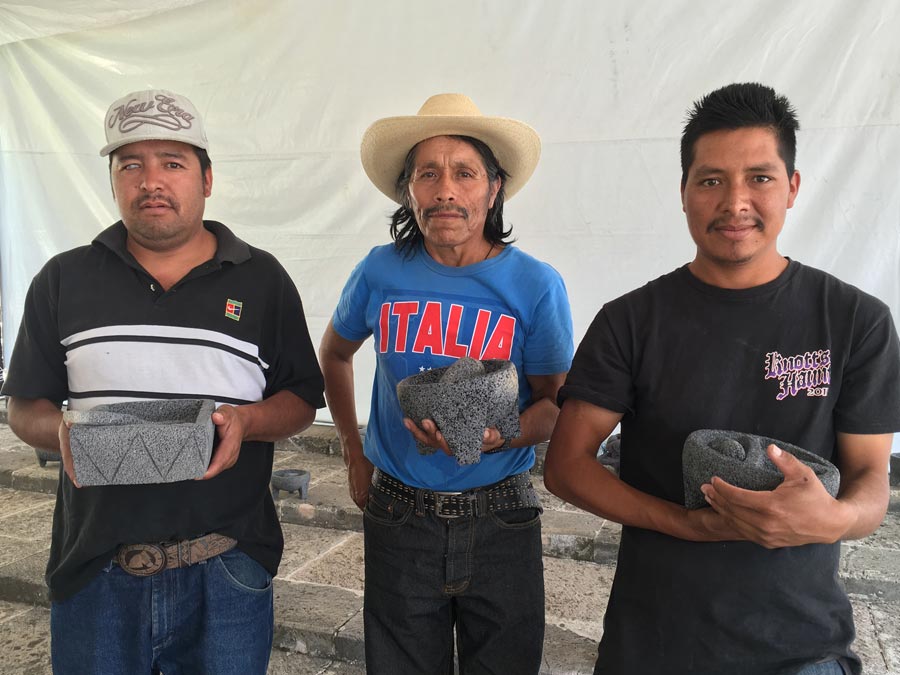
<point x="463" y="400"/>
<point x="158" y="441"/>
<point x="741" y="459"/>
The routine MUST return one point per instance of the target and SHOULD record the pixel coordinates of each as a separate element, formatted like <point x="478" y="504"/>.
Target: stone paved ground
<point x="318" y="592"/>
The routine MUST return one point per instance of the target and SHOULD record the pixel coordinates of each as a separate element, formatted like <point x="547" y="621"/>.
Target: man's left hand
<point x="799" y="511"/>
<point x="230" y="432"/>
<point x="428" y="435"/>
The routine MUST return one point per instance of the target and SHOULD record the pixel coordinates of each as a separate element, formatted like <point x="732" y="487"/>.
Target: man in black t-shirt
<point x="739" y="339"/>
<point x="170" y="577"/>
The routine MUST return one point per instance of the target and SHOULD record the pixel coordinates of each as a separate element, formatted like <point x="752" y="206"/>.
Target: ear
<point x="495" y="188"/>
<point x="207" y="182"/>
<point x="794" y="188"/>
<point x="683" y="208"/>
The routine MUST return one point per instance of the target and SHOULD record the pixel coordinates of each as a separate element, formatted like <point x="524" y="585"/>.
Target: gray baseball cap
<point x="150" y="115"/>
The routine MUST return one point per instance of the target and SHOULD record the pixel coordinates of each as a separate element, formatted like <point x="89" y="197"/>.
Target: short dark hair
<point x="405" y="230"/>
<point x="202" y="156"/>
<point x="736" y="106"/>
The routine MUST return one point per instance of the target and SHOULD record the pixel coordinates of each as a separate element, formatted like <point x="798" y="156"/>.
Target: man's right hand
<point x="359" y="476"/>
<point x="66" y="451"/>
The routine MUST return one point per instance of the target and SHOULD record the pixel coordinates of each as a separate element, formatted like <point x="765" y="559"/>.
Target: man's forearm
<point x="35" y="421"/>
<point x="281" y="415"/>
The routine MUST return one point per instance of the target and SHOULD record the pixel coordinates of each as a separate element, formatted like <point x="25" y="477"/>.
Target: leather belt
<point x="145" y="560"/>
<point x="515" y="492"/>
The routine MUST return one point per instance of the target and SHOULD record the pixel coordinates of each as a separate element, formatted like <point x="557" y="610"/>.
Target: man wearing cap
<point x="741" y="340"/>
<point x="449" y="545"/>
<point x="171" y="577"/>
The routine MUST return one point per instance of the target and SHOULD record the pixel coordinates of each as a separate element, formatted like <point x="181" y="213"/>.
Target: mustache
<point x="143" y="199"/>
<point x="725" y="222"/>
<point x="448" y="208"/>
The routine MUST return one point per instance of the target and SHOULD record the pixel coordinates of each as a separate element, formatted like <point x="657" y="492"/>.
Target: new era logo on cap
<point x="154" y="114"/>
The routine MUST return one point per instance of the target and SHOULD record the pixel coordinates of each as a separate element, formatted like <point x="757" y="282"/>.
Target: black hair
<point x="736" y="106"/>
<point x="405" y="230"/>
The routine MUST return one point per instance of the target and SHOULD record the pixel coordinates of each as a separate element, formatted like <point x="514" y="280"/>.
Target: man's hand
<point x="429" y="436"/>
<point x="359" y="477"/>
<point x="230" y="432"/>
<point x="66" y="451"/>
<point x="799" y="511"/>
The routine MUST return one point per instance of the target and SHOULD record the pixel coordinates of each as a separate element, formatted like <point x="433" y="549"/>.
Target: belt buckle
<point x="142" y="560"/>
<point x="439" y="501"/>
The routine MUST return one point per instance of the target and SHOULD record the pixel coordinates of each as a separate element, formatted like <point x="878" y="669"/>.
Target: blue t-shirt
<point x="425" y="315"/>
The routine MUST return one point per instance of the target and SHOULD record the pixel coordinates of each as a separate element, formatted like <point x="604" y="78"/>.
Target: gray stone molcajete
<point x="463" y="400"/>
<point x="159" y="441"/>
<point x="740" y="459"/>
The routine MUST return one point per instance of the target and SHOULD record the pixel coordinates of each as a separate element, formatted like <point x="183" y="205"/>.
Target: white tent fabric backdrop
<point x="287" y="88"/>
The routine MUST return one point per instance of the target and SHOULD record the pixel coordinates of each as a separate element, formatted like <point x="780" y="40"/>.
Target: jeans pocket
<point x="243" y="572"/>
<point x="386" y="510"/>
<point x="516" y="519"/>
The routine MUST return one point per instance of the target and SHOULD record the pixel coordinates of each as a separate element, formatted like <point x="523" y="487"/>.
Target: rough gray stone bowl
<point x="290" y="480"/>
<point x="463" y="400"/>
<point x="158" y="441"/>
<point x="740" y="459"/>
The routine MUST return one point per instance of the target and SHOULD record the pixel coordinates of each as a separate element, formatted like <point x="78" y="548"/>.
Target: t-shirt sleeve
<point x="295" y="367"/>
<point x="601" y="370"/>
<point x="869" y="401"/>
<point x="349" y="319"/>
<point x="549" y="343"/>
<point x="37" y="368"/>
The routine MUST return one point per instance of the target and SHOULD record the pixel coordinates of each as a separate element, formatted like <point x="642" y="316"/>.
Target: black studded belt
<point x="145" y="560"/>
<point x="515" y="492"/>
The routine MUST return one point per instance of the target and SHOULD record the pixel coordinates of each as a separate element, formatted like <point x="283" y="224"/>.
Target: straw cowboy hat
<point x="387" y="142"/>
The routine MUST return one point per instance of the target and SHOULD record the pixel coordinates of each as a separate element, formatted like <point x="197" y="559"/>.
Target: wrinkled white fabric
<point x="287" y="88"/>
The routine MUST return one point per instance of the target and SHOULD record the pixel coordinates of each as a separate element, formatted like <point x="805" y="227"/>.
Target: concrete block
<point x="160" y="441"/>
<point x="740" y="459"/>
<point x="463" y="400"/>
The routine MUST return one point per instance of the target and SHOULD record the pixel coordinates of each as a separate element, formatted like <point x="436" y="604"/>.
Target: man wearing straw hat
<point x="449" y="545"/>
<point x="173" y="577"/>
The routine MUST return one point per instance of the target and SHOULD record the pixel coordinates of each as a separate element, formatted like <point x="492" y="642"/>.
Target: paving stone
<point x="575" y="594"/>
<point x="342" y="566"/>
<point x="22" y="580"/>
<point x="292" y="663"/>
<point x="303" y="544"/>
<point x="11" y="462"/>
<point x="34" y="524"/>
<point x="872" y="571"/>
<point x="24" y="639"/>
<point x="17" y="501"/>
<point x="567" y="653"/>
<point x="35" y="478"/>
<point x="877" y="634"/>
<point x="349" y="643"/>
<point x="9" y="442"/>
<point x="307" y="616"/>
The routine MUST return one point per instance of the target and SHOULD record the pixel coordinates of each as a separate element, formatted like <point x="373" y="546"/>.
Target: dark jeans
<point x="212" y="617"/>
<point x="424" y="575"/>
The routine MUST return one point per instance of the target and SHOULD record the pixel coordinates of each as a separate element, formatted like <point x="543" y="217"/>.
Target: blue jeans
<point x="426" y="575"/>
<point x="212" y="617"/>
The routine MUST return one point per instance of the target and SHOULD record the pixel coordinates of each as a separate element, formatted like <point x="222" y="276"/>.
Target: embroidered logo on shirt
<point x="233" y="309"/>
<point x="809" y="372"/>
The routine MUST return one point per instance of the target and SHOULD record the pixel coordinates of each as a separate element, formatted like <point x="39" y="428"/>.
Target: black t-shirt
<point x="797" y="359"/>
<point x="97" y="328"/>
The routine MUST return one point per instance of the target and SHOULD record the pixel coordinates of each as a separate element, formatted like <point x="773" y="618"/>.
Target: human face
<point x="450" y="195"/>
<point x="160" y="192"/>
<point x="736" y="198"/>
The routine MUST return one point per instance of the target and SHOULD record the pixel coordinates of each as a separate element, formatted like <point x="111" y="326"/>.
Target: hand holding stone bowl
<point x="740" y="459"/>
<point x="462" y="400"/>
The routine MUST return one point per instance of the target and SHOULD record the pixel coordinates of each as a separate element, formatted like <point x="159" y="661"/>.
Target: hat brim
<point x="386" y="143"/>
